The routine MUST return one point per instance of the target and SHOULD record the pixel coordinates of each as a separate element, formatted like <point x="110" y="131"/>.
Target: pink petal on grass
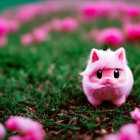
<point x="135" y="114"/>
<point x="2" y="132"/>
<point x="29" y="129"/>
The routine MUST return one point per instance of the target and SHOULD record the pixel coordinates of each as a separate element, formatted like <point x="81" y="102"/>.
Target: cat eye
<point x="99" y="74"/>
<point x="116" y="73"/>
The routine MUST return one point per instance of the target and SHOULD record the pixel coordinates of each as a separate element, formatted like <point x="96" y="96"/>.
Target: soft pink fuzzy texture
<point x="109" y="36"/>
<point x="2" y="132"/>
<point x="27" y="39"/>
<point x="29" y="129"/>
<point x="132" y="32"/>
<point x="113" y="90"/>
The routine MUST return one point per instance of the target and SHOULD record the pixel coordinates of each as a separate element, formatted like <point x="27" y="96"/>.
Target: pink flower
<point x="132" y="11"/>
<point x="3" y="41"/>
<point x="108" y="36"/>
<point x="112" y="137"/>
<point x="13" y="25"/>
<point x="51" y="7"/>
<point x="135" y="114"/>
<point x="28" y="12"/>
<point x="69" y="25"/>
<point x="29" y="129"/>
<point x="55" y="24"/>
<point x="132" y="32"/>
<point x="105" y="8"/>
<point x="129" y="132"/>
<point x="128" y="10"/>
<point x="2" y="132"/>
<point x="89" y="10"/>
<point x="27" y="39"/>
<point x="46" y="27"/>
<point x="64" y="25"/>
<point x="39" y="35"/>
<point x="3" y="26"/>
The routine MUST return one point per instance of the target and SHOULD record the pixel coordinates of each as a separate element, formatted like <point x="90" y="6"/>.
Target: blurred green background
<point x="11" y="3"/>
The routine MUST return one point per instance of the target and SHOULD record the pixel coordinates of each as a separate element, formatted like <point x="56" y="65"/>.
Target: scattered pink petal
<point x="29" y="129"/>
<point x="129" y="132"/>
<point x="112" y="137"/>
<point x="135" y="114"/>
<point x="2" y="132"/>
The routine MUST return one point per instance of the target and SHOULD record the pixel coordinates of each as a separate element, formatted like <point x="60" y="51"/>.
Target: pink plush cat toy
<point x="107" y="77"/>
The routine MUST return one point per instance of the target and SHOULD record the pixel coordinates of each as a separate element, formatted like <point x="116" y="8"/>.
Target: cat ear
<point x="94" y="56"/>
<point x="121" y="54"/>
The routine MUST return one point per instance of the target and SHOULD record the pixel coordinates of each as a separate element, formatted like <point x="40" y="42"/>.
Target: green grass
<point x="43" y="82"/>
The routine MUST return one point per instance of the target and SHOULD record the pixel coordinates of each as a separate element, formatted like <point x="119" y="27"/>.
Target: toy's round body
<point x="108" y="86"/>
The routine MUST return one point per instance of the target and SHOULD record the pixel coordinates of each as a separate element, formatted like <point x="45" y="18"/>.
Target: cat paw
<point x="119" y="101"/>
<point x="95" y="102"/>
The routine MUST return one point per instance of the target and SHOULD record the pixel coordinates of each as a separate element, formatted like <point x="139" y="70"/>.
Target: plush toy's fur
<point x="108" y="88"/>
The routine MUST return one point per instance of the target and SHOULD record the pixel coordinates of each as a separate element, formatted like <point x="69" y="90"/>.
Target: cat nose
<point x="107" y="79"/>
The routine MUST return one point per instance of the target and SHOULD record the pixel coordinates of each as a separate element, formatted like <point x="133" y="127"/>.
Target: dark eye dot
<point x="99" y="74"/>
<point x="116" y="73"/>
